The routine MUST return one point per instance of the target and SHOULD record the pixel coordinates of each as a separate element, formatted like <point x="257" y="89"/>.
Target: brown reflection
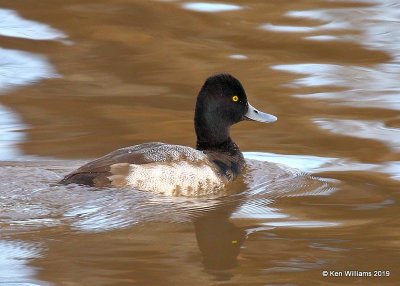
<point x="219" y="241"/>
<point x="150" y="253"/>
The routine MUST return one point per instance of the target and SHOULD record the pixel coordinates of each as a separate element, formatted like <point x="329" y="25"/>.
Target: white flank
<point x="176" y="179"/>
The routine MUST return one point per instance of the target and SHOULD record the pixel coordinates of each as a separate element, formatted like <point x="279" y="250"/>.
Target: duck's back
<point x="158" y="167"/>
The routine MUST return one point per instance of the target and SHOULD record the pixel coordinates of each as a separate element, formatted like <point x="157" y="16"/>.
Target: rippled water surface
<point x="321" y="190"/>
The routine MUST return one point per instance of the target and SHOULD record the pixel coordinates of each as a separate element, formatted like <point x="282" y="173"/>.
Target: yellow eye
<point x="235" y="98"/>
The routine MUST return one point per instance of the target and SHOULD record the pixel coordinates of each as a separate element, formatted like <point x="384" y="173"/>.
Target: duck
<point x="178" y="170"/>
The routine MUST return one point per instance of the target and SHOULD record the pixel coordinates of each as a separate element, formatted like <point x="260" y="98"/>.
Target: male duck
<point x="182" y="170"/>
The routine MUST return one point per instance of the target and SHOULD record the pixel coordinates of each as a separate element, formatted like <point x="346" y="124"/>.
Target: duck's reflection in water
<point x="219" y="240"/>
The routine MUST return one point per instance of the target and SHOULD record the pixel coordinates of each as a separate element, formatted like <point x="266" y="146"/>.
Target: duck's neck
<point x="226" y="146"/>
<point x="213" y="134"/>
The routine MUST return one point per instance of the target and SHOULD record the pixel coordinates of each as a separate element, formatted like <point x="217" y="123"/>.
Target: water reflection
<point x="363" y="129"/>
<point x="210" y="7"/>
<point x="238" y="57"/>
<point x="12" y="25"/>
<point x="17" y="69"/>
<point x="21" y="68"/>
<point x="303" y="163"/>
<point x="315" y="164"/>
<point x="219" y="239"/>
<point x="14" y="259"/>
<point x="363" y="85"/>
<point x="303" y="29"/>
<point x="366" y="86"/>
<point x="11" y="133"/>
<point x="353" y="77"/>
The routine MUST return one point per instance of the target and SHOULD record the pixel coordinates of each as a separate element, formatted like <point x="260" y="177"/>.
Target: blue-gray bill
<point x="256" y="115"/>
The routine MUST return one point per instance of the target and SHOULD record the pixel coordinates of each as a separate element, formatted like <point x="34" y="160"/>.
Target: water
<point x="321" y="193"/>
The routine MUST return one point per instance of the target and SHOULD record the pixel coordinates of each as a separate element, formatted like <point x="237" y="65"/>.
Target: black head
<point x="221" y="103"/>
